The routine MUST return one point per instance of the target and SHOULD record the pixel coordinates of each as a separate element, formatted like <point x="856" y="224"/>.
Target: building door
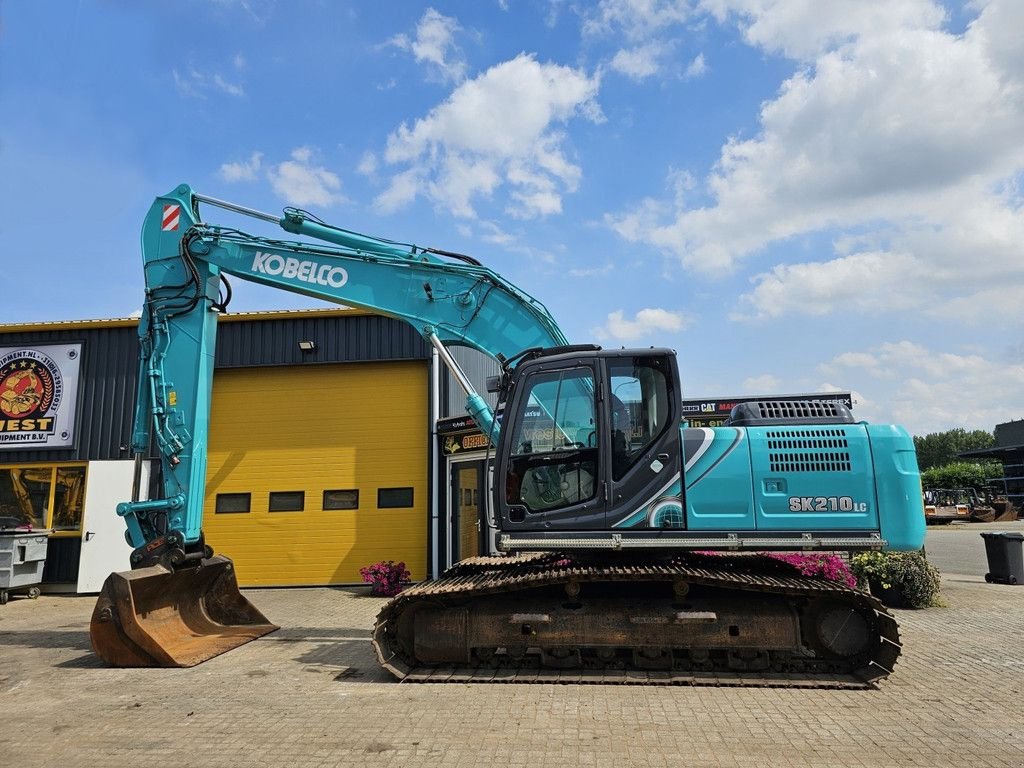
<point x="104" y="548"/>
<point x="308" y="492"/>
<point x="466" y="504"/>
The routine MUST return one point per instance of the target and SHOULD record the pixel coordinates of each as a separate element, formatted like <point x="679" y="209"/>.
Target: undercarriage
<point x="696" y="619"/>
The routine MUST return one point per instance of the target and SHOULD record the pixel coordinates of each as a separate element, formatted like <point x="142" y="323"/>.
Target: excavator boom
<point x="180" y="605"/>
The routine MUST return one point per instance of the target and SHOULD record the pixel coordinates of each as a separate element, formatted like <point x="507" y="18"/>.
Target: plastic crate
<point x="22" y="558"/>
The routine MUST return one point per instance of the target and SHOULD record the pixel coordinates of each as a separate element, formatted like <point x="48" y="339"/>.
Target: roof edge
<point x="131" y="322"/>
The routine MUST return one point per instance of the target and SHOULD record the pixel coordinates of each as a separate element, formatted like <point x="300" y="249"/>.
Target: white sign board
<point x="38" y="395"/>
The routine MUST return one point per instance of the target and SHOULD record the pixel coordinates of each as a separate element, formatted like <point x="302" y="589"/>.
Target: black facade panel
<point x="1010" y="433"/>
<point x="62" y="557"/>
<point x="106" y="394"/>
<point x="110" y="358"/>
<point x="362" y="338"/>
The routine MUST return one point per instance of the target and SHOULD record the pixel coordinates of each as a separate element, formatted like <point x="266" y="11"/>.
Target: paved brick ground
<point x="312" y="695"/>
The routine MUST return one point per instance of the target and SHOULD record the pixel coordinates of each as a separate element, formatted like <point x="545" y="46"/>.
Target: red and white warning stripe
<point x="172" y="215"/>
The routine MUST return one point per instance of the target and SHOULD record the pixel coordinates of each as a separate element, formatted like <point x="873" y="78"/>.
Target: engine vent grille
<point x="771" y="413"/>
<point x="808" y="450"/>
<point x="798" y="409"/>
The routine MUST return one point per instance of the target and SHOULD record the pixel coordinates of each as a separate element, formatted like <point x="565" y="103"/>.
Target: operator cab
<point x="590" y="439"/>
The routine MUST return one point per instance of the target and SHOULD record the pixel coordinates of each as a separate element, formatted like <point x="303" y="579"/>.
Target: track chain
<point x="481" y="576"/>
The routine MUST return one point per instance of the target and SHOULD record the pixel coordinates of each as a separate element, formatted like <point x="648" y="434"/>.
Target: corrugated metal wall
<point x="105" y="397"/>
<point x="275" y="341"/>
<point x="109" y="360"/>
<point x="1010" y="433"/>
<point x="477" y="367"/>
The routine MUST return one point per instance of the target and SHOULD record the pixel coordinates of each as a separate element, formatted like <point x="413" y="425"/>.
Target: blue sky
<point x="795" y="195"/>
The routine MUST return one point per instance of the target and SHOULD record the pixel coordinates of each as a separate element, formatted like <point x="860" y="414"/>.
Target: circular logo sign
<point x="29" y="384"/>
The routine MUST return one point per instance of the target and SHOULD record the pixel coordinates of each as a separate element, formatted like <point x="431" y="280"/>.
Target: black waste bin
<point x="1005" y="553"/>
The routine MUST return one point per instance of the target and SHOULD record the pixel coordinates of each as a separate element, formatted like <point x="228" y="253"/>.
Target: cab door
<point x="645" y="457"/>
<point x="552" y="448"/>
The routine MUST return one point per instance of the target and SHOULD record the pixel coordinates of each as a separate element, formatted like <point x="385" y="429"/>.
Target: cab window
<point x="639" y="409"/>
<point x="554" y="447"/>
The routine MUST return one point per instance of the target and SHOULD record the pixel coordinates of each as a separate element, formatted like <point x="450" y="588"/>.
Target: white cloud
<point x="367" y="164"/>
<point x="641" y="62"/>
<point x="434" y="45"/>
<point x="402" y="190"/>
<point x="891" y="124"/>
<point x="244" y="170"/>
<point x="801" y="29"/>
<point x="946" y="271"/>
<point x="634" y="19"/>
<point x="494" y="131"/>
<point x="696" y="68"/>
<point x="648" y="28"/>
<point x="765" y="384"/>
<point x="645" y="323"/>
<point x="492" y="233"/>
<point x="232" y="89"/>
<point x="193" y="83"/>
<point x="928" y="390"/>
<point x="592" y="271"/>
<point x="299" y="182"/>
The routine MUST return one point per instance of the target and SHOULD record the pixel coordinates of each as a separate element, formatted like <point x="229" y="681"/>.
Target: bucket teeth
<point x="157" y="617"/>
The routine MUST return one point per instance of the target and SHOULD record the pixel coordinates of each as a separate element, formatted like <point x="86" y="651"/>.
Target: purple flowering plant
<point x="831" y="567"/>
<point x="386" y="578"/>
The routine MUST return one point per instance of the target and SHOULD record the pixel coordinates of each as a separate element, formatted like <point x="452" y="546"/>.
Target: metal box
<point x="22" y="558"/>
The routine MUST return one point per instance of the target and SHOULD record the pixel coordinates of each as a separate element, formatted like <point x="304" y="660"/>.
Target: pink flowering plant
<point x="386" y="578"/>
<point x="831" y="567"/>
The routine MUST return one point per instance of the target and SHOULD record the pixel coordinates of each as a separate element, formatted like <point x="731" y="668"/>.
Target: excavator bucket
<point x="157" y="617"/>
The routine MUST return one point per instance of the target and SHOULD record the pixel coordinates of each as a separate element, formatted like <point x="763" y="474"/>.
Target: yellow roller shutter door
<point x="360" y="426"/>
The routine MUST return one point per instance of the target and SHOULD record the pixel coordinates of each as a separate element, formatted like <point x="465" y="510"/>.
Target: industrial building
<point x="1008" y="449"/>
<point x="319" y="456"/>
<point x="337" y="439"/>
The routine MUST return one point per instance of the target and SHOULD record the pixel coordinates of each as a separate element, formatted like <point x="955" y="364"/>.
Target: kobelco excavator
<point x="625" y="545"/>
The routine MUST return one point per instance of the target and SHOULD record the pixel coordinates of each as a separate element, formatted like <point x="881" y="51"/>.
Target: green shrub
<point x="961" y="474"/>
<point x="898" y="577"/>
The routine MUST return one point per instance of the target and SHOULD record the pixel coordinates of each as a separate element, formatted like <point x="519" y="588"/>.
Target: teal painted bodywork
<point x="898" y="486"/>
<point x="664" y="511"/>
<point x="183" y="259"/>
<point x="733" y="479"/>
<point x="717" y="483"/>
<point x="850" y="477"/>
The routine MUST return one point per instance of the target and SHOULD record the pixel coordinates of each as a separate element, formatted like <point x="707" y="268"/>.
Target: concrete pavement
<point x="959" y="548"/>
<point x="312" y="695"/>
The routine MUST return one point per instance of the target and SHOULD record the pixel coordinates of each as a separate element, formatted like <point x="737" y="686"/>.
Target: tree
<point x="940" y="448"/>
<point x="961" y="474"/>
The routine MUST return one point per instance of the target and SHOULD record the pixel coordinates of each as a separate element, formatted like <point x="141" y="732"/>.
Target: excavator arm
<point x="448" y="297"/>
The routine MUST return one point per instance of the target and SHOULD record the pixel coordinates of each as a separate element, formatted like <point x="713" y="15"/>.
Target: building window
<point x="287" y="501"/>
<point x="68" y="495"/>
<point x="43" y="496"/>
<point x="344" y="499"/>
<point x="388" y="498"/>
<point x="232" y="503"/>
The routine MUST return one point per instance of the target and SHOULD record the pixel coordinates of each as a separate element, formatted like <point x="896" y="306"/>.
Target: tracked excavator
<point x="625" y="546"/>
